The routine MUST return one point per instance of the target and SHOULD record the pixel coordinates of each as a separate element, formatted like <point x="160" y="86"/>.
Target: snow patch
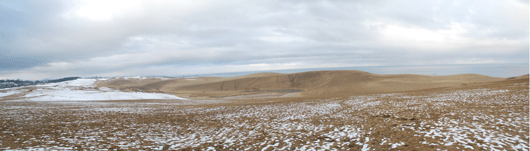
<point x="2" y="94"/>
<point x="85" y="90"/>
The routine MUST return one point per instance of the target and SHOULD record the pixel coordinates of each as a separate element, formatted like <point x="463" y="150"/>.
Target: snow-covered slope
<point x="8" y="93"/>
<point x="84" y="90"/>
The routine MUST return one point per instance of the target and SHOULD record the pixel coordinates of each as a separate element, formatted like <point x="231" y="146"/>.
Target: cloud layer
<point x="51" y="39"/>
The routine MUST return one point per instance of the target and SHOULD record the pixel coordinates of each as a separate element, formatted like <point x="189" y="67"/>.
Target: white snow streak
<point x="84" y="90"/>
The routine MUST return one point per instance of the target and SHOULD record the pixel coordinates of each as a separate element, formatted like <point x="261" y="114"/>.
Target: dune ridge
<point x="311" y="84"/>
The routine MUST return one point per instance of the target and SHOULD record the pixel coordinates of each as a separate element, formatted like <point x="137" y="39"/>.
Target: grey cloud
<point x="203" y="34"/>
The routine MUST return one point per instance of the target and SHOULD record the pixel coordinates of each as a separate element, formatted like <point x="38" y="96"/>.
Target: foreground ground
<point x="489" y="116"/>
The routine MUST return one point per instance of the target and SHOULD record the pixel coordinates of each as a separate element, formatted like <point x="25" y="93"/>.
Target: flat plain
<point x="323" y="110"/>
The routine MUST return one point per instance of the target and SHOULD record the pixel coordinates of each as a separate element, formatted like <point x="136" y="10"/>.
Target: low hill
<point x="308" y="84"/>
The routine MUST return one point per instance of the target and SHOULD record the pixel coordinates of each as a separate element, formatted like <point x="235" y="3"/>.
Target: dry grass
<point x="316" y="84"/>
<point x="483" y="116"/>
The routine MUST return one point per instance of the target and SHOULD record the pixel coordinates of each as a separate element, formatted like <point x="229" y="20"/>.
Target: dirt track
<point x="484" y="116"/>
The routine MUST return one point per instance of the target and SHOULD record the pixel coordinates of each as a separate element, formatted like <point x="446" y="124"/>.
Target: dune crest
<point x="307" y="84"/>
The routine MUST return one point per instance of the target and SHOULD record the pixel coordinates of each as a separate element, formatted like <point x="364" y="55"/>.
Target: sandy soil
<point x="314" y="84"/>
<point x="462" y="112"/>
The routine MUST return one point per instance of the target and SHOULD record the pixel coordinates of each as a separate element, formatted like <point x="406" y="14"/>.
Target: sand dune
<point x="267" y="111"/>
<point x="312" y="84"/>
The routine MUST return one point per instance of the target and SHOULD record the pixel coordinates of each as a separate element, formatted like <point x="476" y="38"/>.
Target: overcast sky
<point x="53" y="39"/>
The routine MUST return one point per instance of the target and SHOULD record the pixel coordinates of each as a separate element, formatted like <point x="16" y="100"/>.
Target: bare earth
<point x="321" y="110"/>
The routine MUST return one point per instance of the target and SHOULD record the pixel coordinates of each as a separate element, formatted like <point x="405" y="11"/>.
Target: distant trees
<point x="63" y="79"/>
<point x="8" y="83"/>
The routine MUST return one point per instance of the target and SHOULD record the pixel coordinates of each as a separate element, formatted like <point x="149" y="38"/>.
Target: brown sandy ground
<point x="490" y="115"/>
<point x="314" y="84"/>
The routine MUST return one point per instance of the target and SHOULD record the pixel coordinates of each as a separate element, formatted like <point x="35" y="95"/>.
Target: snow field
<point x="82" y="90"/>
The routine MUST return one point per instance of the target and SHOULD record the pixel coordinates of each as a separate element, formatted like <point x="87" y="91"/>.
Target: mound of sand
<point x="319" y="84"/>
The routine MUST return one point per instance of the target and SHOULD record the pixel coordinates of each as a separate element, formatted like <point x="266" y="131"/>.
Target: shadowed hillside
<point x="311" y="84"/>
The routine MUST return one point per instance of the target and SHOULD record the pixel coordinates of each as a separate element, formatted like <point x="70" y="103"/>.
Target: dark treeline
<point x="8" y="83"/>
<point x="63" y="79"/>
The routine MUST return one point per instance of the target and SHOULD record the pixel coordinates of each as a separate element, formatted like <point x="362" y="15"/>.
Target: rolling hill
<point x="307" y="84"/>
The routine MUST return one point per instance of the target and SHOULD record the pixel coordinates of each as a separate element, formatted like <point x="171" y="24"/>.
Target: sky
<point x="59" y="38"/>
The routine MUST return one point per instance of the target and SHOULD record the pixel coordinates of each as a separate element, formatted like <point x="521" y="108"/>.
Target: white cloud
<point x="454" y="39"/>
<point x="420" y="39"/>
<point x="282" y="39"/>
<point x="63" y="38"/>
<point x="103" y="10"/>
<point x="476" y="61"/>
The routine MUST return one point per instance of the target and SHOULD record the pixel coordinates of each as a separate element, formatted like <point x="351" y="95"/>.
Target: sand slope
<point x="457" y="114"/>
<point x="311" y="84"/>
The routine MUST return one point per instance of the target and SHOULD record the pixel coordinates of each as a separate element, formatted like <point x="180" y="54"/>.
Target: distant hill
<point x="17" y="83"/>
<point x="307" y="84"/>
